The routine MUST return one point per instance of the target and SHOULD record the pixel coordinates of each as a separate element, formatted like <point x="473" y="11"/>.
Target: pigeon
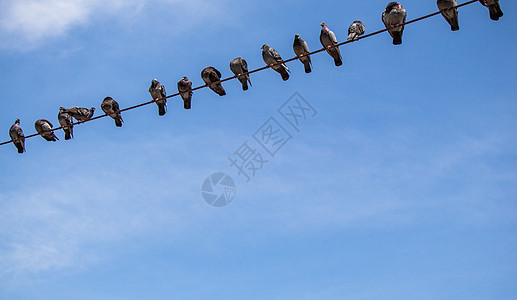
<point x="238" y="67"/>
<point x="16" y="134"/>
<point x="185" y="89"/>
<point x="355" y="30"/>
<point x="81" y="114"/>
<point x="271" y="57"/>
<point x="66" y="121"/>
<point x="493" y="8"/>
<point x="328" y="39"/>
<point x="157" y="91"/>
<point x="110" y="107"/>
<point x="394" y="15"/>
<point x="44" y="128"/>
<point x="211" y="75"/>
<point x="450" y="14"/>
<point x="301" y="49"/>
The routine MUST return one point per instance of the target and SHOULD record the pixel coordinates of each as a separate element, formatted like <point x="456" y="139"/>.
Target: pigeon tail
<point x="118" y="121"/>
<point x="51" y="137"/>
<point x="68" y="134"/>
<point x="218" y="89"/>
<point x="454" y="25"/>
<point x="495" y="11"/>
<point x="397" y="37"/>
<point x="307" y="66"/>
<point x="20" y="147"/>
<point x="285" y="75"/>
<point x="244" y="84"/>
<point x="187" y="103"/>
<point x="161" y="109"/>
<point x="337" y="61"/>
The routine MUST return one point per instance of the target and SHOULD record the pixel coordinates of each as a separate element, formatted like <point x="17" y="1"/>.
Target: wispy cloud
<point x="63" y="221"/>
<point x="36" y="20"/>
<point x="388" y="180"/>
<point x="66" y="220"/>
<point x="31" y="22"/>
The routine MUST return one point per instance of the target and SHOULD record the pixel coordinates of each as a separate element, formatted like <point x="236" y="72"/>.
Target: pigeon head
<point x="185" y="78"/>
<point x="393" y="5"/>
<point x="17" y="122"/>
<point x="323" y="24"/>
<point x="264" y="46"/>
<point x="357" y="21"/>
<point x="92" y="109"/>
<point x="108" y="98"/>
<point x="297" y="36"/>
<point x="154" y="82"/>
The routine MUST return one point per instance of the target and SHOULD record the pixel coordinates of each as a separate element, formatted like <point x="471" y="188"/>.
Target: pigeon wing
<point x="332" y="37"/>
<point x="218" y="73"/>
<point x="275" y="54"/>
<point x="162" y="90"/>
<point x="244" y="65"/>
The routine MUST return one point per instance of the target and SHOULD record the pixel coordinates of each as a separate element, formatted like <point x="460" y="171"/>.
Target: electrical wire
<point x="255" y="70"/>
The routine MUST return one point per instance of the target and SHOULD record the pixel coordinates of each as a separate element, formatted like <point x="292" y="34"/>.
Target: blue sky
<point x="403" y="185"/>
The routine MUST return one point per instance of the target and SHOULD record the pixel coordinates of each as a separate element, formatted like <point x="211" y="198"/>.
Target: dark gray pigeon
<point x="16" y="134"/>
<point x="271" y="57"/>
<point x="185" y="89"/>
<point x="328" y="39"/>
<point x="239" y="67"/>
<point x="44" y="128"/>
<point x="81" y="114"/>
<point x="493" y="8"/>
<point x="211" y="75"/>
<point x="301" y="49"/>
<point x="66" y="121"/>
<point x="157" y="91"/>
<point x="355" y="30"/>
<point x="393" y="16"/>
<point x="450" y="14"/>
<point x="110" y="107"/>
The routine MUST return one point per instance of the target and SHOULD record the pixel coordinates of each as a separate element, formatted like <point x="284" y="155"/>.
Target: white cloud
<point x="31" y="22"/>
<point x="39" y="19"/>
<point x="63" y="223"/>
<point x="67" y="222"/>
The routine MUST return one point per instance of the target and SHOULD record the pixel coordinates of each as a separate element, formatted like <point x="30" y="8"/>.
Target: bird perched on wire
<point x="355" y="30"/>
<point x="393" y="17"/>
<point x="210" y="76"/>
<point x="185" y="90"/>
<point x="273" y="59"/>
<point x="66" y="121"/>
<point x="328" y="39"/>
<point x="301" y="49"/>
<point x="81" y="114"/>
<point x="493" y="8"/>
<point x="239" y="67"/>
<point x="44" y="128"/>
<point x="111" y="108"/>
<point x="449" y="13"/>
<point x="16" y="134"/>
<point x="157" y="91"/>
